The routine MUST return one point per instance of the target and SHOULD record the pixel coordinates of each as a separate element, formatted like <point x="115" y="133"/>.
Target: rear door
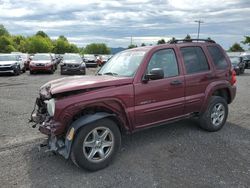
<point x="198" y="75"/>
<point x="159" y="100"/>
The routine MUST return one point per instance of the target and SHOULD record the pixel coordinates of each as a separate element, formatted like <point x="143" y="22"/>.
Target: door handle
<point x="176" y="82"/>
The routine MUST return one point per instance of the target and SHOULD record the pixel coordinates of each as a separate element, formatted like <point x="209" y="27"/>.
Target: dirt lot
<point x="175" y="155"/>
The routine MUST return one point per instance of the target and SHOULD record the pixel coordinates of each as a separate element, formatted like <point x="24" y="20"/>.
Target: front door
<point x="159" y="100"/>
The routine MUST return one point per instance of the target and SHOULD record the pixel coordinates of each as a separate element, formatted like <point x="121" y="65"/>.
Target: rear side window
<point x="194" y="59"/>
<point x="218" y="57"/>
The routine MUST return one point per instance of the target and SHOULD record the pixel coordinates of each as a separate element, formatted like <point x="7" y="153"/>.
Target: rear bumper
<point x="232" y="93"/>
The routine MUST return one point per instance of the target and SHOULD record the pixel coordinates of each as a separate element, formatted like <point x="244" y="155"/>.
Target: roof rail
<point x="191" y="40"/>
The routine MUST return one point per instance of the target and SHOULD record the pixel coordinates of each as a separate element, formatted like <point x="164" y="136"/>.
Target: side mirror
<point x="155" y="74"/>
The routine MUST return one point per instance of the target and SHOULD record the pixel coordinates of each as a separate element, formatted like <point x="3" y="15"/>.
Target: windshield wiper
<point x="110" y="73"/>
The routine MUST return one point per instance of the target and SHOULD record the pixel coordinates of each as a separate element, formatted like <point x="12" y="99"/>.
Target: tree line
<point x="42" y="43"/>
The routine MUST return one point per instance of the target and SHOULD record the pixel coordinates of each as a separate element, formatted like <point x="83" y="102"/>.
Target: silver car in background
<point x="11" y="63"/>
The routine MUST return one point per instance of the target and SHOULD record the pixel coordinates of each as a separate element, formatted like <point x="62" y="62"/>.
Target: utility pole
<point x="199" y="25"/>
<point x="131" y="40"/>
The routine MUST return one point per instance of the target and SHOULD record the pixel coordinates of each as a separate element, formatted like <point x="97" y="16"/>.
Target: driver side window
<point x="166" y="60"/>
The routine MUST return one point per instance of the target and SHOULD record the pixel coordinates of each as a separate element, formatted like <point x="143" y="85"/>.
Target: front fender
<point x="76" y="126"/>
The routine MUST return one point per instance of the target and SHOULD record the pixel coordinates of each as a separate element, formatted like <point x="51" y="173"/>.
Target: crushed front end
<point x="43" y="116"/>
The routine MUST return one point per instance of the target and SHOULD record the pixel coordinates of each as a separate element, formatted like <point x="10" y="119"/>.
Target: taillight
<point x="233" y="77"/>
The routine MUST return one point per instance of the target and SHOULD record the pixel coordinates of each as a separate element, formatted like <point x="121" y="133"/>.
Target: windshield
<point x="41" y="57"/>
<point x="8" y="58"/>
<point x="123" y="64"/>
<point x="72" y="57"/>
<point x="235" y="60"/>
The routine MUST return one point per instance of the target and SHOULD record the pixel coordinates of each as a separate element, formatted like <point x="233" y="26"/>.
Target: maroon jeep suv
<point x="84" y="116"/>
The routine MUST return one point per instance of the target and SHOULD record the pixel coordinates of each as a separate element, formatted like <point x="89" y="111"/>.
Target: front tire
<point x="96" y="144"/>
<point x="214" y="118"/>
<point x="17" y="71"/>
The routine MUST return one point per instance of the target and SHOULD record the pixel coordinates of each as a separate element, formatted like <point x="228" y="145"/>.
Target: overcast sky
<point x="113" y="22"/>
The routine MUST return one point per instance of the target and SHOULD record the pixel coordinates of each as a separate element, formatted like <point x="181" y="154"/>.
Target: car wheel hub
<point x="98" y="144"/>
<point x="218" y="114"/>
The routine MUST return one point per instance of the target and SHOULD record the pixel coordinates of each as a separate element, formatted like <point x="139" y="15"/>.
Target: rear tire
<point x="96" y="144"/>
<point x="214" y="118"/>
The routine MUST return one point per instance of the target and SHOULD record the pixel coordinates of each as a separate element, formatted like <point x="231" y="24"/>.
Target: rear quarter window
<point x="218" y="57"/>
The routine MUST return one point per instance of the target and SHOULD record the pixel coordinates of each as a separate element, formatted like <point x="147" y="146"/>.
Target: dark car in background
<point x="11" y="63"/>
<point x="238" y="64"/>
<point x="90" y="60"/>
<point x="42" y="62"/>
<point x="246" y="58"/>
<point x="72" y="64"/>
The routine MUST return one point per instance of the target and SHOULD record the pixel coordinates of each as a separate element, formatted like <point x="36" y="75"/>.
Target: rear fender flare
<point x="210" y="90"/>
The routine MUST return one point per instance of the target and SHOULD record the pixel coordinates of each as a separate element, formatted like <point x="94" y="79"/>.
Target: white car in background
<point x="11" y="63"/>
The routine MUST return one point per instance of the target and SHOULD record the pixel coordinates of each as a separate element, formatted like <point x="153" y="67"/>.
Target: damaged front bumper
<point x="47" y="125"/>
<point x="41" y="116"/>
<point x="59" y="145"/>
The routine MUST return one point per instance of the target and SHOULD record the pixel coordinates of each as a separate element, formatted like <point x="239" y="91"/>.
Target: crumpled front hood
<point x="7" y="62"/>
<point x="75" y="83"/>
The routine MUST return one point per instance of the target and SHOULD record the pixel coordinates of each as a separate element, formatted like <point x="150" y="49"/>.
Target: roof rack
<point x="191" y="40"/>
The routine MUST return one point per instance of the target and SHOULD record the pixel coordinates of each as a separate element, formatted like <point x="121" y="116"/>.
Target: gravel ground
<point x="175" y="155"/>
